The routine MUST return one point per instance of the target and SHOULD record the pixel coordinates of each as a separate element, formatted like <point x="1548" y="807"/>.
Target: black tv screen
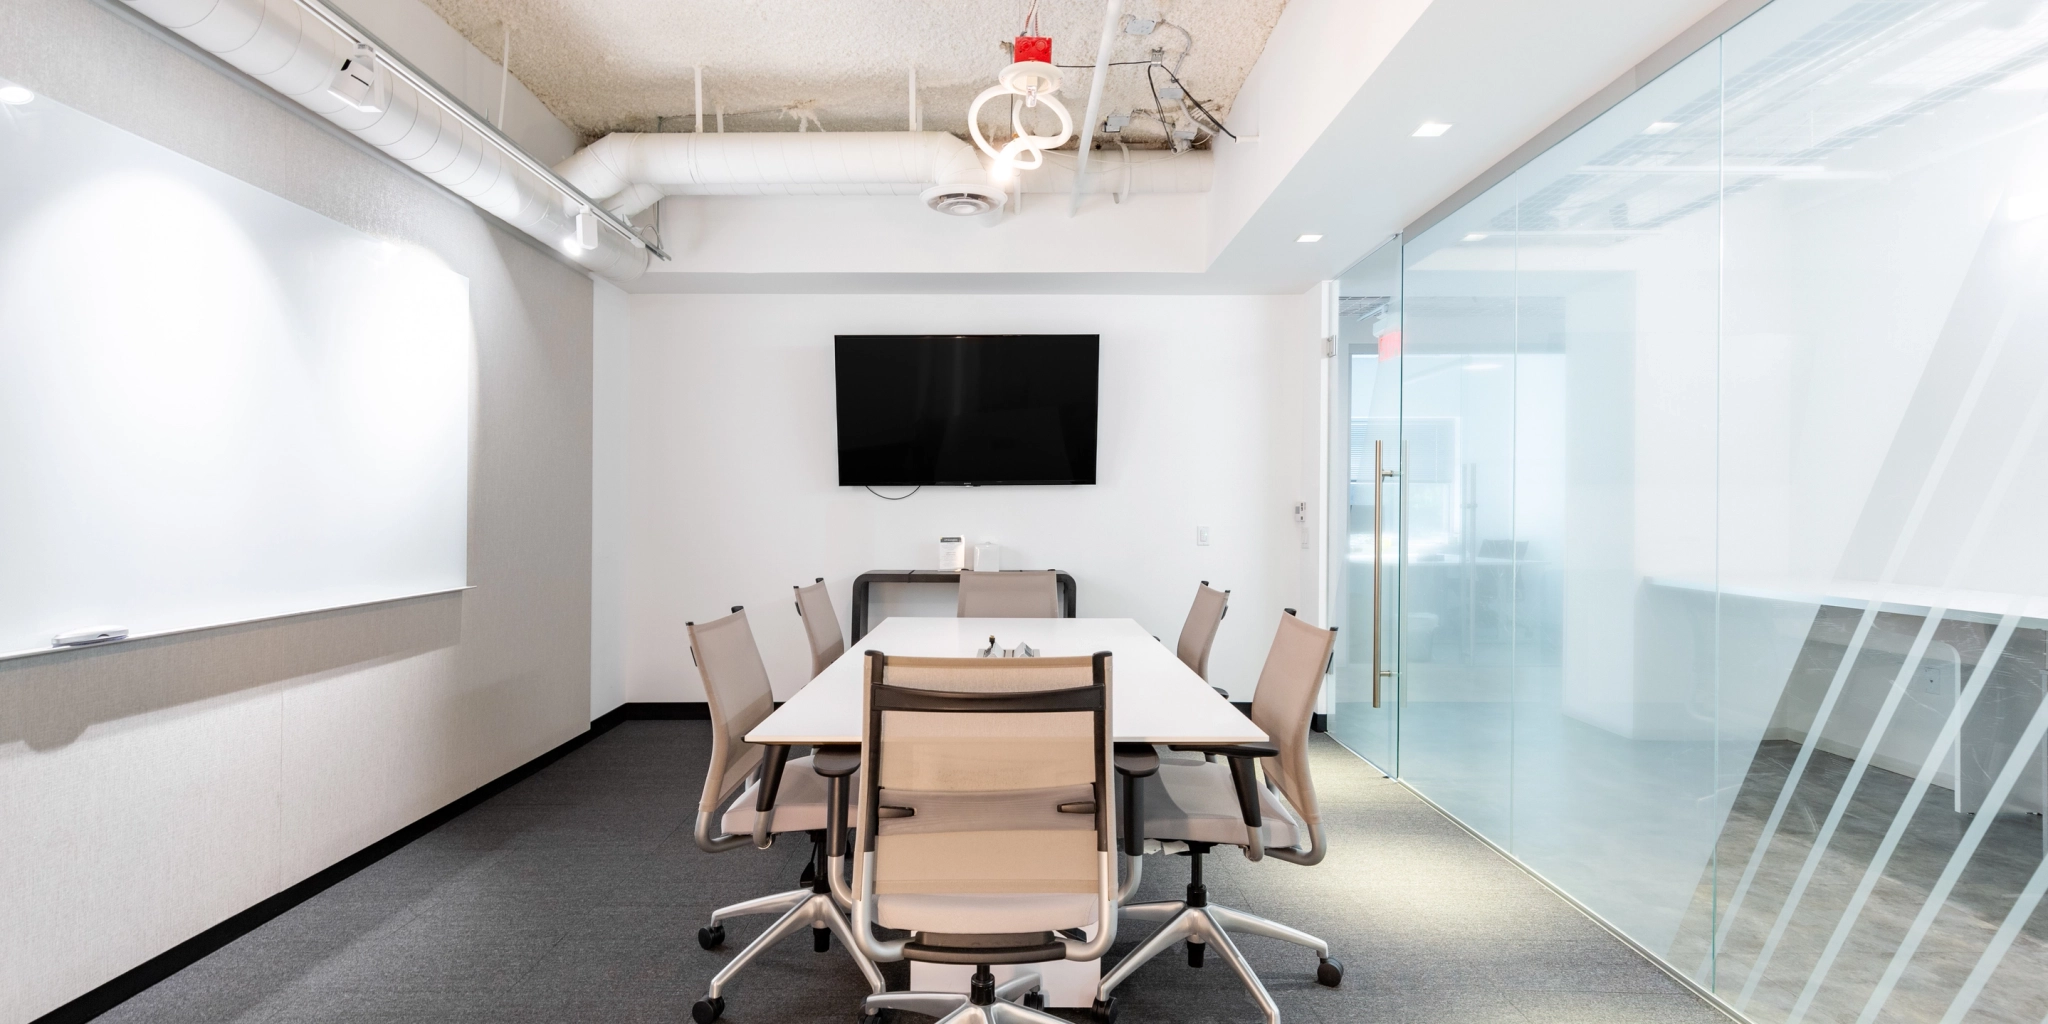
<point x="967" y="409"/>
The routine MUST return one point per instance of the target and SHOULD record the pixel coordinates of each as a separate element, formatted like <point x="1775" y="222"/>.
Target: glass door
<point x="1366" y="508"/>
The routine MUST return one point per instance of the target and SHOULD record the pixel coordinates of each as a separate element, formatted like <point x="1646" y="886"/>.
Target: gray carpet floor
<point x="576" y="896"/>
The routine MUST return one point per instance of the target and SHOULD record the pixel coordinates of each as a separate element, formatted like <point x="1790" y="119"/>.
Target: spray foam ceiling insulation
<point x="626" y="65"/>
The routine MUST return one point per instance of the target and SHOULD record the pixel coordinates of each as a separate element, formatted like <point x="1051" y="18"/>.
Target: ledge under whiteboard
<point x="132" y="637"/>
<point x="242" y="411"/>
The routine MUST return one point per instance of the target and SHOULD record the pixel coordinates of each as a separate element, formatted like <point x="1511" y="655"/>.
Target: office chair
<point x="1009" y="595"/>
<point x="821" y="625"/>
<point x="1193" y="808"/>
<point x="1198" y="634"/>
<point x="752" y="794"/>
<point x="986" y="829"/>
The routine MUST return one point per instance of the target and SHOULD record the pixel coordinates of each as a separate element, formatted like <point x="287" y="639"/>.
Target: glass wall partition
<point x="1723" y="593"/>
<point x="1367" y="506"/>
<point x="1460" y="585"/>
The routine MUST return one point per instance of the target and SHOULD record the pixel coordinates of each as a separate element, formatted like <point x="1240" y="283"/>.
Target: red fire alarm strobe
<point x="1038" y="48"/>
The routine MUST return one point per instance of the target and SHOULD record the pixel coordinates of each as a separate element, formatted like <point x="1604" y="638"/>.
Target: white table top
<point x="1154" y="698"/>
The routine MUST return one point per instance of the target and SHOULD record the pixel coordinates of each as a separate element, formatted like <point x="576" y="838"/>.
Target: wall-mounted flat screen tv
<point x="967" y="409"/>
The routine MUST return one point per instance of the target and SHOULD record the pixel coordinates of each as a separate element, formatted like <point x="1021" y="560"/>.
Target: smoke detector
<point x="963" y="200"/>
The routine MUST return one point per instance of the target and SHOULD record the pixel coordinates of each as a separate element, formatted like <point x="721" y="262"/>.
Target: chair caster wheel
<point x="821" y="940"/>
<point x="869" y="1017"/>
<point x="1035" y="999"/>
<point x="708" y="1010"/>
<point x="1195" y="951"/>
<point x="711" y="937"/>
<point x="1330" y="972"/>
<point x="1104" y="1011"/>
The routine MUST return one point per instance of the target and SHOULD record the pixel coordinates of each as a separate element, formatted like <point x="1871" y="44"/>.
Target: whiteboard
<point x="215" y="405"/>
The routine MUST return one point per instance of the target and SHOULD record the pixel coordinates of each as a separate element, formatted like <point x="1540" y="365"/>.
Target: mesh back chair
<point x="1192" y="808"/>
<point x="821" y="625"/>
<point x="751" y="794"/>
<point x="1009" y="595"/>
<point x="986" y="827"/>
<point x="1198" y="634"/>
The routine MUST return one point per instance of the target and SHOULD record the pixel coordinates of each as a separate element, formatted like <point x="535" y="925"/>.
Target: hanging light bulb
<point x="1037" y="81"/>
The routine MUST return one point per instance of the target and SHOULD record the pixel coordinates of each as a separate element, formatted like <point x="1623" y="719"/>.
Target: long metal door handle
<point x="1378" y="475"/>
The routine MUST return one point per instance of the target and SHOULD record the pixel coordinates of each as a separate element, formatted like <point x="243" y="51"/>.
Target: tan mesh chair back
<point x="736" y="688"/>
<point x="1198" y="634"/>
<point x="988" y="804"/>
<point x="1009" y="595"/>
<point x="821" y="625"/>
<point x="1283" y="704"/>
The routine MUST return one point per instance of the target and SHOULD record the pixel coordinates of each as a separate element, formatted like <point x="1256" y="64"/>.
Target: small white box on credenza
<point x="988" y="557"/>
<point x="952" y="554"/>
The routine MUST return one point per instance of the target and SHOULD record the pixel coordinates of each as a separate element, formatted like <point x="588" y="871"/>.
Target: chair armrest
<point x="1134" y="761"/>
<point x="836" y="761"/>
<point x="1229" y="749"/>
<point x="764" y="800"/>
<point x="1137" y="760"/>
<point x="771" y="777"/>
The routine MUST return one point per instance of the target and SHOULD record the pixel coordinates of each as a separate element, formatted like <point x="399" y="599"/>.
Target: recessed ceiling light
<point x="1476" y="236"/>
<point x="1431" y="129"/>
<point x="1660" y="127"/>
<point x="14" y="95"/>
<point x="1310" y="238"/>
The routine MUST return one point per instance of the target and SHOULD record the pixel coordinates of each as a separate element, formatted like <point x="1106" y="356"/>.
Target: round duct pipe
<point x="282" y="45"/>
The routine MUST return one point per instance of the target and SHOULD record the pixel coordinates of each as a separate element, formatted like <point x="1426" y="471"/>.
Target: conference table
<point x="1154" y="698"/>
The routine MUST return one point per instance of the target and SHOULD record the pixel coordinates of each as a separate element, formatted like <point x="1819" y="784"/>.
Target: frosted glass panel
<point x="1884" y="359"/>
<point x="1617" y="241"/>
<point x="1368" y="440"/>
<point x="1460" y="580"/>
<point x="215" y="405"/>
<point x="1739" y="597"/>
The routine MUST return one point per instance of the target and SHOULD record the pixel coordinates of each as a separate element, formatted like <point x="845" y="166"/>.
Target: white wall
<point x="152" y="790"/>
<point x="610" y="374"/>
<point x="1206" y="405"/>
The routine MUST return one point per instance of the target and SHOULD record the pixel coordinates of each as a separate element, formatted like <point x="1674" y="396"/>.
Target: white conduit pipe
<point x="1111" y="17"/>
<point x="627" y="172"/>
<point x="283" y="46"/>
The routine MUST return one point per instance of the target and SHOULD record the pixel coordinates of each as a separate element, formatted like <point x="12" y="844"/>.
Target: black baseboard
<point x="190" y="951"/>
<point x="653" y="711"/>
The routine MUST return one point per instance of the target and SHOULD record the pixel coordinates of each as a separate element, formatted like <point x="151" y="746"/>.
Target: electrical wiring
<point x="1185" y="50"/>
<point x="1213" y="119"/>
<point x="899" y="497"/>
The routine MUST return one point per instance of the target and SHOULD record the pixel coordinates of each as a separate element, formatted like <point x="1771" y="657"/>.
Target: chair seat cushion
<point x="1198" y="803"/>
<point x="800" y="802"/>
<point x="986" y="913"/>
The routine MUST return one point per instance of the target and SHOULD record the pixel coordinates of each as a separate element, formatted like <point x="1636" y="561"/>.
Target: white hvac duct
<point x="1130" y="172"/>
<point x="284" y="46"/>
<point x="628" y="172"/>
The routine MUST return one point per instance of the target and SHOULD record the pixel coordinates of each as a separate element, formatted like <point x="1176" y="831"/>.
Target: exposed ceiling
<point x="627" y="65"/>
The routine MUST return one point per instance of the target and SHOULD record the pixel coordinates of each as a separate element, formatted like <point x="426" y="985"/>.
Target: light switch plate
<point x="1201" y="536"/>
